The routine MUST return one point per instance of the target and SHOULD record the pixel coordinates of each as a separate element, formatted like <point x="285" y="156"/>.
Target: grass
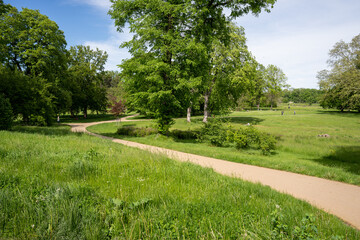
<point x="59" y="185"/>
<point x="299" y="150"/>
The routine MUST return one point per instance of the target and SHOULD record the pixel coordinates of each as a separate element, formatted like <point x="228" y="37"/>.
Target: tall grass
<point x="73" y="186"/>
<point x="299" y="150"/>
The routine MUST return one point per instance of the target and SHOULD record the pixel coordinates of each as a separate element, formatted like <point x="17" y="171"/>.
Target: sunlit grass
<point x="55" y="184"/>
<point x="299" y="150"/>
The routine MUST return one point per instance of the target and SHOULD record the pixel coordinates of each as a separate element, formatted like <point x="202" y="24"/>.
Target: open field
<point x="57" y="184"/>
<point x="299" y="150"/>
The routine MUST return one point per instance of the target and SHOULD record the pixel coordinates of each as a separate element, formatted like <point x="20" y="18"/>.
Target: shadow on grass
<point x="347" y="158"/>
<point x="241" y="120"/>
<point x="244" y="120"/>
<point x="90" y="118"/>
<point x="339" y="113"/>
<point x="56" y="130"/>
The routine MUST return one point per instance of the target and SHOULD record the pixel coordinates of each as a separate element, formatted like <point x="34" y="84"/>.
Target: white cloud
<point x="100" y="4"/>
<point x="297" y="36"/>
<point x="114" y="39"/>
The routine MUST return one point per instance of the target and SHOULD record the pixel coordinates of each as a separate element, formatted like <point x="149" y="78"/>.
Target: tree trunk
<point x="271" y="107"/>
<point x="188" y="115"/>
<point x="258" y="107"/>
<point x="206" y="107"/>
<point x="85" y="112"/>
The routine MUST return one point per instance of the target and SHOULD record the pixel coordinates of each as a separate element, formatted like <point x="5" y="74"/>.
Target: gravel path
<point x="340" y="199"/>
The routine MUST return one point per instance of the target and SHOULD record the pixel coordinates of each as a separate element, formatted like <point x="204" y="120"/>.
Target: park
<point x="192" y="139"/>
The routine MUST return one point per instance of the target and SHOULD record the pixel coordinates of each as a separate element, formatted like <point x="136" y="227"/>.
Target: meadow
<point x="299" y="147"/>
<point x="55" y="184"/>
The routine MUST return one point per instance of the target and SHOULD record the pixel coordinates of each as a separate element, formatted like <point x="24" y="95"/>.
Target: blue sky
<point x="296" y="36"/>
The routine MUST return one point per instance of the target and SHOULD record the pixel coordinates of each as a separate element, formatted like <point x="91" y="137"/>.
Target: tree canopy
<point x="341" y="84"/>
<point x="172" y="49"/>
<point x="39" y="76"/>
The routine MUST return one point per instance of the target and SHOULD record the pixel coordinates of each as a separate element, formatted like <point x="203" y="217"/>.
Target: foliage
<point x="213" y="131"/>
<point x="218" y="134"/>
<point x="301" y="95"/>
<point x="28" y="95"/>
<point x="171" y="50"/>
<point x="341" y="84"/>
<point x="33" y="60"/>
<point x="275" y="82"/>
<point x="247" y="137"/>
<point x="117" y="106"/>
<point x="6" y="114"/>
<point x="136" y="132"/>
<point x="231" y="73"/>
<point x="86" y="68"/>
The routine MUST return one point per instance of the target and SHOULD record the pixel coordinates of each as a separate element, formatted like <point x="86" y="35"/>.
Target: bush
<point x="220" y="135"/>
<point x="6" y="113"/>
<point x="214" y="132"/>
<point x="251" y="137"/>
<point x="136" y="132"/>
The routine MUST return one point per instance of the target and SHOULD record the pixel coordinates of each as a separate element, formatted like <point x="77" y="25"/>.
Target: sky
<point x="296" y="36"/>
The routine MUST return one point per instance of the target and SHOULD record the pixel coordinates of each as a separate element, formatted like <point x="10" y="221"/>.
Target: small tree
<point x="117" y="107"/>
<point x="6" y="114"/>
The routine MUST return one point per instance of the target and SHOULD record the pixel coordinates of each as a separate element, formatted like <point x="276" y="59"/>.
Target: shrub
<point x="219" y="134"/>
<point x="136" y="132"/>
<point x="6" y="113"/>
<point x="214" y="132"/>
<point x="251" y="137"/>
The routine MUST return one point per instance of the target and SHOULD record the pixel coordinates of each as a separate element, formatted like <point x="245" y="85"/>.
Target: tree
<point x="32" y="49"/>
<point x="152" y="76"/>
<point x="158" y="71"/>
<point x="230" y="74"/>
<point x="275" y="82"/>
<point x="301" y="95"/>
<point x="86" y="82"/>
<point x="341" y="84"/>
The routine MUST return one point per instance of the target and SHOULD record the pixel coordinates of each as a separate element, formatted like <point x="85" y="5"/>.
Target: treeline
<point x="40" y="77"/>
<point x="301" y="95"/>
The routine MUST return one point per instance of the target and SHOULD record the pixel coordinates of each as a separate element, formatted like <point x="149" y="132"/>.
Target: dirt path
<point x="340" y="199"/>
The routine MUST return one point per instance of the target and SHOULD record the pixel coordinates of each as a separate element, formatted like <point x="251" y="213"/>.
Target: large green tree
<point x="86" y="79"/>
<point x="32" y="49"/>
<point x="166" y="34"/>
<point x="341" y="84"/>
<point x="153" y="75"/>
<point x="231" y="73"/>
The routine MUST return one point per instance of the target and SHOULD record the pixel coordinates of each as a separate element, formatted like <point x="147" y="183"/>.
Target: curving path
<point x="340" y="199"/>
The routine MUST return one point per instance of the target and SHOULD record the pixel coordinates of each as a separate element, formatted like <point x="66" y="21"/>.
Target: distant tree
<point x="275" y="82"/>
<point x="301" y="95"/>
<point x="341" y="84"/>
<point x="85" y="80"/>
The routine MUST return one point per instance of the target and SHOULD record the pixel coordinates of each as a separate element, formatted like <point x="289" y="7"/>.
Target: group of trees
<point x="39" y="76"/>
<point x="341" y="84"/>
<point x="187" y="54"/>
<point x="301" y="95"/>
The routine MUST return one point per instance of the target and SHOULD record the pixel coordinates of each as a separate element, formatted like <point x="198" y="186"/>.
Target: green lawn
<point x="299" y="150"/>
<point x="55" y="184"/>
